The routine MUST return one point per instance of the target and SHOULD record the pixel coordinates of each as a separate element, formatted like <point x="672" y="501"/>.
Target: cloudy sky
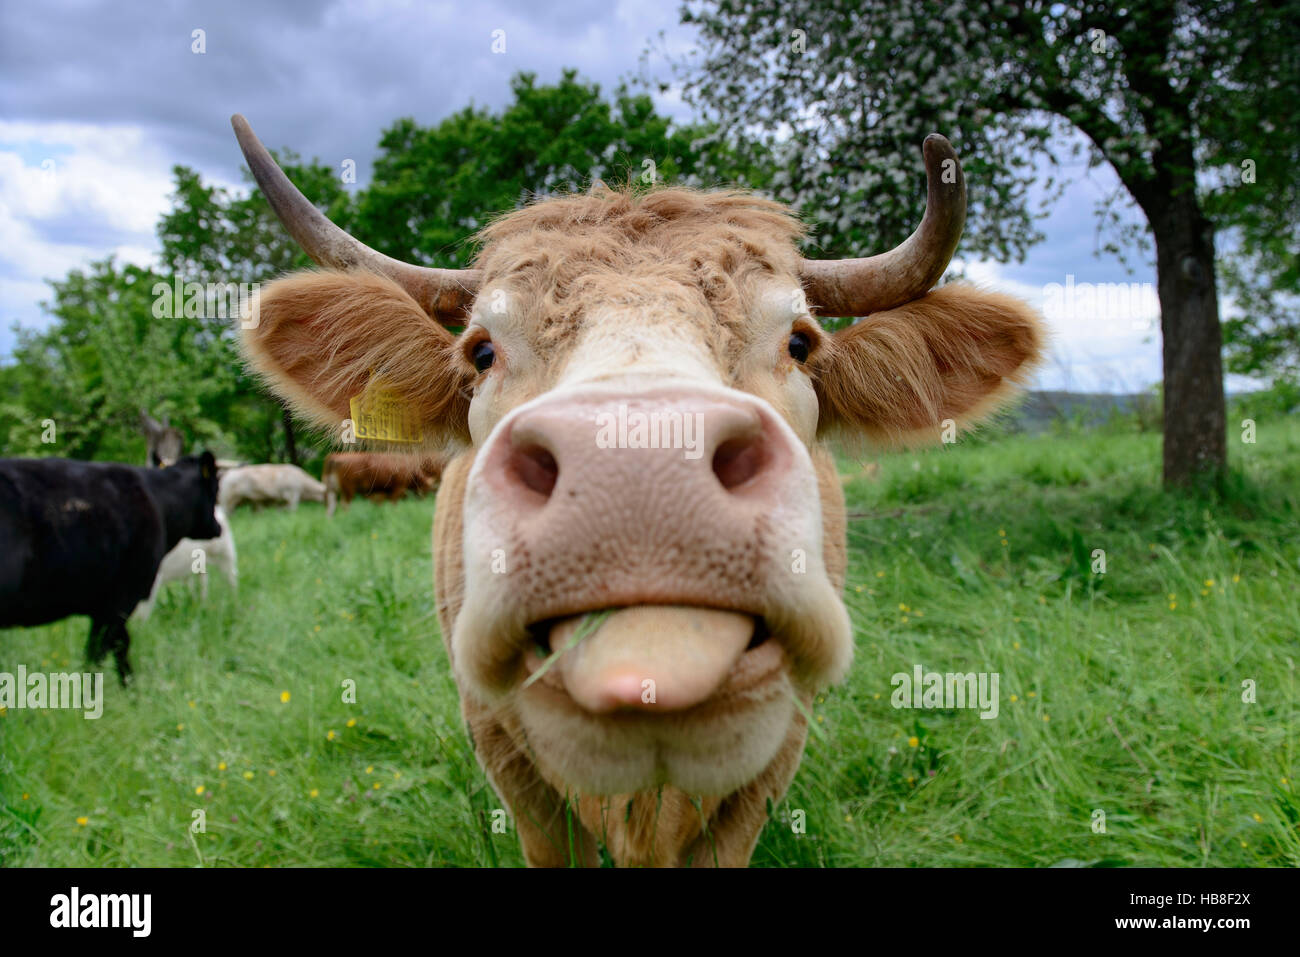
<point x="99" y="100"/>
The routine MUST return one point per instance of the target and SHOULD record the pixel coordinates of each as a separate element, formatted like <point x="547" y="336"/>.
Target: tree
<point x="434" y="187"/>
<point x="103" y="360"/>
<point x="845" y="92"/>
<point x="121" y="343"/>
<point x="107" y="355"/>
<point x="211" y="236"/>
<point x="1261" y="267"/>
<point x="1264" y="339"/>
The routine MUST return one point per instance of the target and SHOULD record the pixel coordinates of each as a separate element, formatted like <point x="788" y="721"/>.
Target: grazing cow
<point x="640" y="546"/>
<point x="268" y="485"/>
<point x="86" y="538"/>
<point x="348" y="474"/>
<point x="182" y="563"/>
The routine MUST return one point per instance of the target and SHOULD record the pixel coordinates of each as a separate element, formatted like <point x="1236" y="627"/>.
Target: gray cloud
<point x="325" y="80"/>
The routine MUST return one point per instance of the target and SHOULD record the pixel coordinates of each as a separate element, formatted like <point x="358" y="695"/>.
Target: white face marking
<point x="622" y="343"/>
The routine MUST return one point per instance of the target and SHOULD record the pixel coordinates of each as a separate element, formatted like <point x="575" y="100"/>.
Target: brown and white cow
<point x="349" y="474"/>
<point x="714" y="567"/>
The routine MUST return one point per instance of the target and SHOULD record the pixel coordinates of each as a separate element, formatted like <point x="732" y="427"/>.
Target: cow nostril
<point x="540" y="633"/>
<point x="535" y="468"/>
<point x="738" y="460"/>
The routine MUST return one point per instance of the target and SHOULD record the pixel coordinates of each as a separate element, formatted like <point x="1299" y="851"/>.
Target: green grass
<point x="976" y="557"/>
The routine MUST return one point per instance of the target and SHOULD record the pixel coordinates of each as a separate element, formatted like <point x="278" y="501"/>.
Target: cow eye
<point x="483" y="355"/>
<point x="799" y="346"/>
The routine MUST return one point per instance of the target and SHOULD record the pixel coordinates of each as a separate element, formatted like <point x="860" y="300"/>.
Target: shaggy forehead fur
<point x="678" y="247"/>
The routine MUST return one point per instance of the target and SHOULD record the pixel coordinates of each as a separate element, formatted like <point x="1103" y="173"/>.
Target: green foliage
<point x="1254" y="145"/>
<point x="105" y="355"/>
<point x="842" y="97"/>
<point x="211" y="235"/>
<point x="1266" y="405"/>
<point x="103" y="359"/>
<point x="1175" y="95"/>
<point x="844" y="94"/>
<point x="1263" y="339"/>
<point x="120" y="342"/>
<point x="434" y="187"/>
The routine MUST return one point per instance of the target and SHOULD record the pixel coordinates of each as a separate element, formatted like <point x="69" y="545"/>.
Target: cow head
<point x="190" y="500"/>
<point x="642" y="396"/>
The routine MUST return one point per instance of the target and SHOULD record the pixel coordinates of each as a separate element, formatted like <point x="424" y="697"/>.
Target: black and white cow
<point x="86" y="538"/>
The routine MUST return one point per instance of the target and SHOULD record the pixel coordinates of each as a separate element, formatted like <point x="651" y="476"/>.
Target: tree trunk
<point x="291" y="446"/>
<point x="1195" y="416"/>
<point x="268" y="438"/>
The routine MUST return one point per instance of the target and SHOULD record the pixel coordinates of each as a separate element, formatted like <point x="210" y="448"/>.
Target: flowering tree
<point x="1162" y="90"/>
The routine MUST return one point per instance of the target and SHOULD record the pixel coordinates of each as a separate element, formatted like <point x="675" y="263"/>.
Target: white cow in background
<point x="268" y="485"/>
<point x="189" y="556"/>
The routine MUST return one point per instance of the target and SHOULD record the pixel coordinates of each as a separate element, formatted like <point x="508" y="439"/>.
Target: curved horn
<point x="856" y="287"/>
<point x="445" y="294"/>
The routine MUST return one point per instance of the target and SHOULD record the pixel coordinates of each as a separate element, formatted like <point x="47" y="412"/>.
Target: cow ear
<point x="317" y="338"/>
<point x="207" y="465"/>
<point x="955" y="354"/>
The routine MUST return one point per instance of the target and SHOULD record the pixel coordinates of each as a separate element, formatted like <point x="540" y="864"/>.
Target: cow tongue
<point x="686" y="652"/>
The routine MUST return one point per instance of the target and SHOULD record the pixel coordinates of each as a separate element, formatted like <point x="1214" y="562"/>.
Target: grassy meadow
<point x="1121" y="694"/>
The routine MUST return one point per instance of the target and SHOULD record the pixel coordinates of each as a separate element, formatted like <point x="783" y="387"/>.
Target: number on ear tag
<point x="382" y="414"/>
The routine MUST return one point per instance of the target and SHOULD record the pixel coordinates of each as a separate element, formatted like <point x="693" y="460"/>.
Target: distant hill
<point x="1038" y="410"/>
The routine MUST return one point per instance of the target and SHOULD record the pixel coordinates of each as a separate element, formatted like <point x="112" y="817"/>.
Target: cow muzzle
<point x="687" y="516"/>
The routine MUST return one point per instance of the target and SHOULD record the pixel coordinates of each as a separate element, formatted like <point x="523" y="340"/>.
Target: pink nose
<point x="676" y="497"/>
<point x="623" y="464"/>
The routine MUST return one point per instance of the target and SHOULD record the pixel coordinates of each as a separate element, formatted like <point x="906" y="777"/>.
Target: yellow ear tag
<point x="382" y="414"/>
